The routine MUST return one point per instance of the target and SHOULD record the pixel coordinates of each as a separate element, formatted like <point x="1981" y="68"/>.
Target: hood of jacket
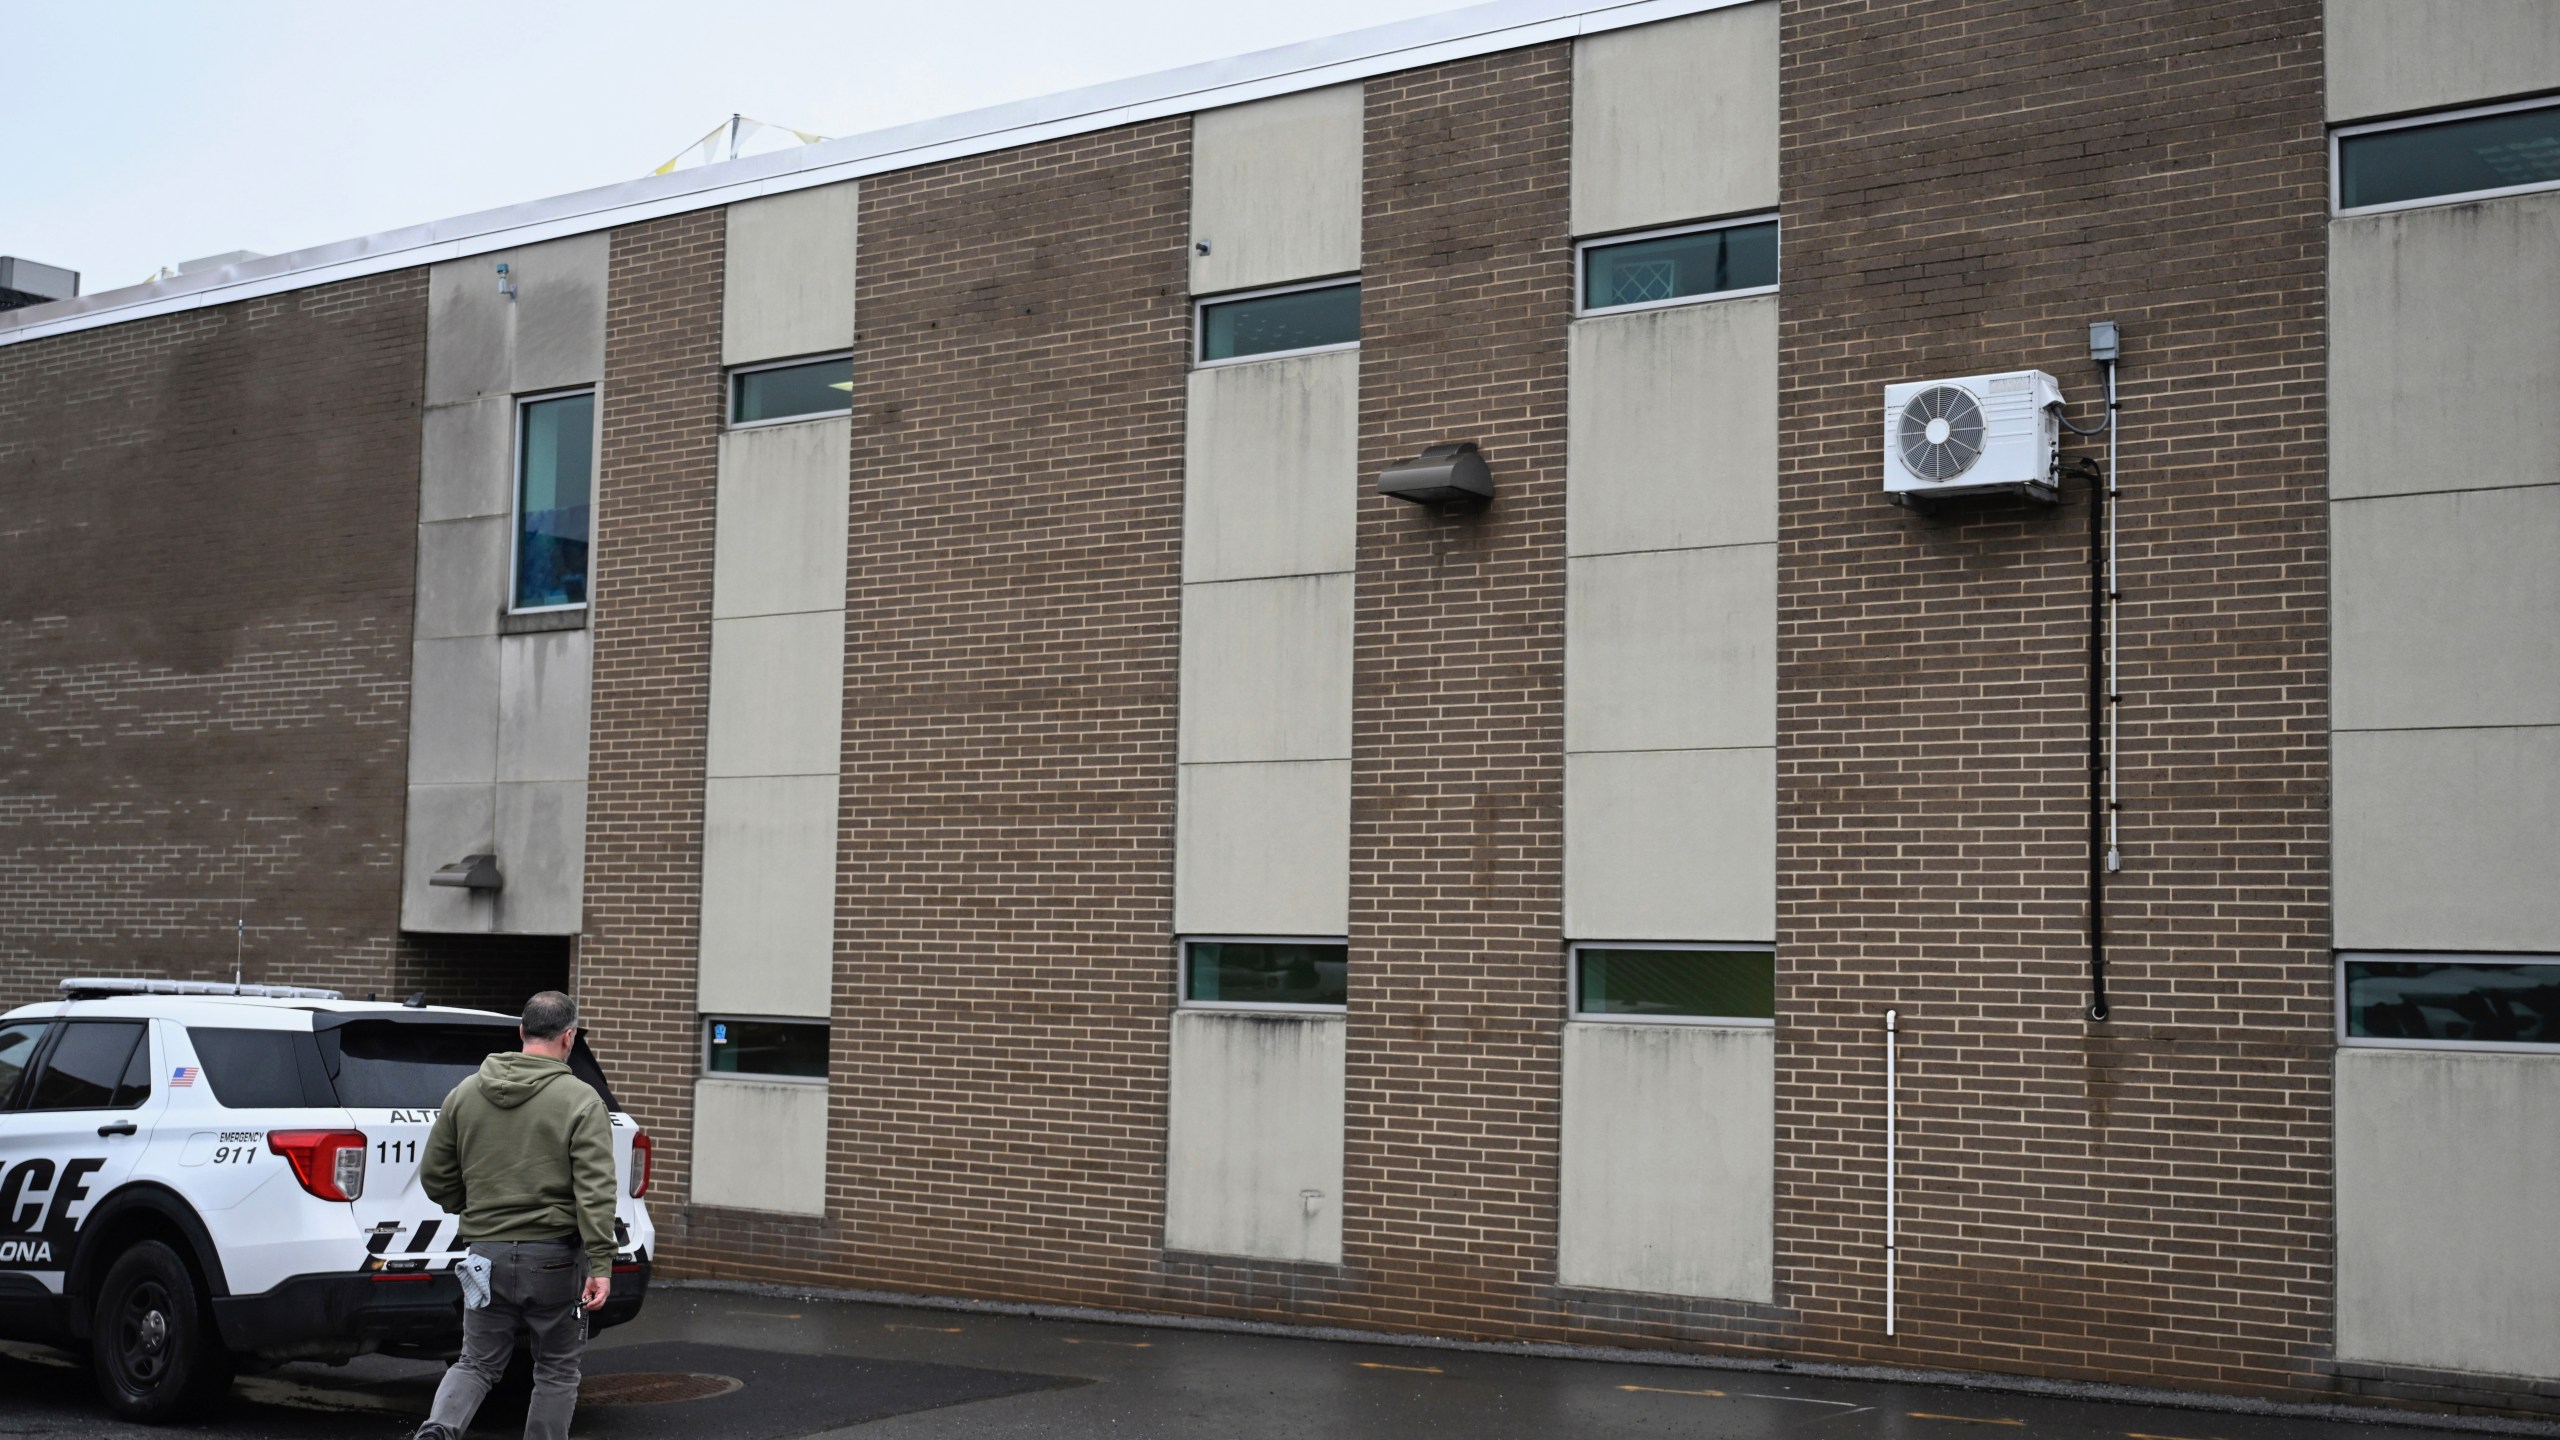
<point x="511" y="1077"/>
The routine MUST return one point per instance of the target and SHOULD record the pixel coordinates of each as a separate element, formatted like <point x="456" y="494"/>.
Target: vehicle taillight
<point x="329" y="1163"/>
<point x="642" y="1150"/>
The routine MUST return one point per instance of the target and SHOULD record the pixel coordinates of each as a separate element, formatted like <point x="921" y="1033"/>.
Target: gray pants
<point x="533" y="1291"/>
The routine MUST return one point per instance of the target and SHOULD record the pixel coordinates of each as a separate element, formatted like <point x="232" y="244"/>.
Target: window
<point x="794" y="390"/>
<point x="1288" y="321"/>
<point x="95" y="1065"/>
<point x="1252" y="973"/>
<point x="555" y="474"/>
<point x="2494" y="150"/>
<point x="1719" y="984"/>
<point x="764" y="1049"/>
<point x="1665" y="267"/>
<point x="18" y="1041"/>
<point x="253" y="1069"/>
<point x="2449" y="1001"/>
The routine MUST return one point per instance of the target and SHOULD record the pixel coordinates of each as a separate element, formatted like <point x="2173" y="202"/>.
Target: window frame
<point x="1200" y="326"/>
<point x="515" y="492"/>
<point x="2337" y="176"/>
<point x="1574" y="1014"/>
<point x="729" y="380"/>
<point x="2338" y="997"/>
<point x="702" y="1042"/>
<point x="1583" y="247"/>
<point x="1182" y="974"/>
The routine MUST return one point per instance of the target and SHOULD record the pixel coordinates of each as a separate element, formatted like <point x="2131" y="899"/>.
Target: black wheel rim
<point x="142" y="1335"/>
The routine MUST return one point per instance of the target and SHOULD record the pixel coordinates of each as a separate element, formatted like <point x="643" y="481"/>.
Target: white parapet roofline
<point x="1385" y="49"/>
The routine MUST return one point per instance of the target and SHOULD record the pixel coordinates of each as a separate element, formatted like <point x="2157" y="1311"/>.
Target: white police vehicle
<point x="196" y="1177"/>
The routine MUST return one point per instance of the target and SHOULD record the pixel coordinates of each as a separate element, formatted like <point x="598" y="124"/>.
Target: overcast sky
<point x="140" y="135"/>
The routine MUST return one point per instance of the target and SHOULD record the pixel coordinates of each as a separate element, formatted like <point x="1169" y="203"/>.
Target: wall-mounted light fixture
<point x="471" y="872"/>
<point x="506" y="281"/>
<point x="1452" y="477"/>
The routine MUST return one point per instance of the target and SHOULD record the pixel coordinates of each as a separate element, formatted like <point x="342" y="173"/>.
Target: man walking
<point x="523" y="1152"/>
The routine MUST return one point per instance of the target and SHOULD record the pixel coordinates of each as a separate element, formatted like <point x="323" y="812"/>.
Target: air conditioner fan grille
<point x="1940" y="432"/>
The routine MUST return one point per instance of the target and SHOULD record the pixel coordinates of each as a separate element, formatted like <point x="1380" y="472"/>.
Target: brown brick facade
<point x="207" y="533"/>
<point x="2147" y="1200"/>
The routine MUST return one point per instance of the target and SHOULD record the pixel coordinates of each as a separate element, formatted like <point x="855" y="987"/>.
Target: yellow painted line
<point x="1408" y="1369"/>
<point x="1115" y="1344"/>
<point x="1658" y="1390"/>
<point x="1961" y="1419"/>
<point x="928" y="1329"/>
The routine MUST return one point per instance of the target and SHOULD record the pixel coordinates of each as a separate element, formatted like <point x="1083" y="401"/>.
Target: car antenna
<point x="240" y="917"/>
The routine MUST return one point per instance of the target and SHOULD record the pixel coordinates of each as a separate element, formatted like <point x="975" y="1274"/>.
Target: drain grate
<point x="660" y="1388"/>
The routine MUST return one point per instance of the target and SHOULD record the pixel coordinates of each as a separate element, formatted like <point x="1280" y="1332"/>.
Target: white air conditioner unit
<point x="1977" y="435"/>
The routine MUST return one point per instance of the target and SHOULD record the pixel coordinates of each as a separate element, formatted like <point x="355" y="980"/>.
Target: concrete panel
<point x="1671" y="430"/>
<point x="542" y="705"/>
<point x="1671" y="845"/>
<point x="542" y="852"/>
<point x="479" y="342"/>
<point x="768" y="895"/>
<point x="790" y="274"/>
<point x="1266" y="669"/>
<point x="2444" y="839"/>
<point x="2386" y="56"/>
<point x="1676" y="121"/>
<point x="1263" y="849"/>
<point x="1253" y="1145"/>
<point x="2444" y="1211"/>
<point x="777" y="694"/>
<point x="462" y="577"/>
<point x="1272" y="468"/>
<point x="1669" y="1163"/>
<point x="2447" y="609"/>
<point x="445" y="823"/>
<point x="453" y="711"/>
<point x="466" y="467"/>
<point x="560" y="311"/>
<point x="2444" y="348"/>
<point x="760" y="1145"/>
<point x="1275" y="190"/>
<point x="1672" y="649"/>
<point x="780" y="540"/>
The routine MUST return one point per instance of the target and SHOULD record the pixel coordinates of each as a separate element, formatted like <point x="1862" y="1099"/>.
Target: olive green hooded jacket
<point x="523" y="1150"/>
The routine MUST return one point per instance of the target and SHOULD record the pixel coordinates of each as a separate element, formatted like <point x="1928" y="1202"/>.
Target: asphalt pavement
<point x="740" y="1366"/>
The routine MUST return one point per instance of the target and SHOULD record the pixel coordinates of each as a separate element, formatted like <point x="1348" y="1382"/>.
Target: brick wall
<point x="2146" y="1200"/>
<point x="656" y="479"/>
<point x="207" y="534"/>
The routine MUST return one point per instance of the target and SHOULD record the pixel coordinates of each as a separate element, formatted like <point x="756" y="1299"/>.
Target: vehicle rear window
<point x="251" y="1069"/>
<point x="396" y="1065"/>
<point x="95" y="1066"/>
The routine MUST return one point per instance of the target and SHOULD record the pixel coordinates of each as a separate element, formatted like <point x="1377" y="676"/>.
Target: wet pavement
<point x="756" y="1367"/>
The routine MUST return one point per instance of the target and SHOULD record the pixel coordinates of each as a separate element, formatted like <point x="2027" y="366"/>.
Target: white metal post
<point x="1892" y="1139"/>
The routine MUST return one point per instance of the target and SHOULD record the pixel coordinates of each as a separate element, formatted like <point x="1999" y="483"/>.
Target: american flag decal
<point x="182" y="1078"/>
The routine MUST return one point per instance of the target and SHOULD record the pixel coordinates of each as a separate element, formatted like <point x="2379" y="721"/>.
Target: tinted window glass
<point x="1297" y="320"/>
<point x="821" y="387"/>
<point x="388" y="1065"/>
<point x="1266" y="972"/>
<point x="2454" y="1000"/>
<point x="765" y="1047"/>
<point x="2485" y="152"/>
<point x="87" y="1067"/>
<point x="18" y="1041"/>
<point x="1669" y="267"/>
<point x="555" y="471"/>
<point x="1702" y="984"/>
<point x="249" y="1069"/>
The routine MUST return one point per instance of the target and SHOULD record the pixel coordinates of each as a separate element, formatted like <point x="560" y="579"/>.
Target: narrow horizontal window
<point x="1280" y="322"/>
<point x="791" y="1049"/>
<point x="1691" y="264"/>
<point x="555" y="476"/>
<point x="1664" y="982"/>
<point x="2480" y="152"/>
<point x="788" y="392"/>
<point x="1265" y="972"/>
<point x="2452" y="999"/>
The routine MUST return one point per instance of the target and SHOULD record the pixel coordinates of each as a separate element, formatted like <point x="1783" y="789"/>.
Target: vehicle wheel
<point x="151" y="1344"/>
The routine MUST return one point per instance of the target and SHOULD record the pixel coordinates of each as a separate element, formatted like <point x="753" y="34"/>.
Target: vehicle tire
<point x="151" y="1342"/>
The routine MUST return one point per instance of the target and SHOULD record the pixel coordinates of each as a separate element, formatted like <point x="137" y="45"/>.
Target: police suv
<point x="196" y="1177"/>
